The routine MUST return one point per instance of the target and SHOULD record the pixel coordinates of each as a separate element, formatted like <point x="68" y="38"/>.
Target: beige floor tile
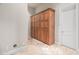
<point x="36" y="47"/>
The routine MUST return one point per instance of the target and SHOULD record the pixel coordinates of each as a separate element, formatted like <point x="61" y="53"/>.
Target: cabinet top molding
<point x="44" y="11"/>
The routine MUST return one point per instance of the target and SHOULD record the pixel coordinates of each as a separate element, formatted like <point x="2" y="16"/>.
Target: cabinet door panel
<point x="46" y="15"/>
<point x="46" y="24"/>
<point x="46" y="36"/>
<point x="41" y="17"/>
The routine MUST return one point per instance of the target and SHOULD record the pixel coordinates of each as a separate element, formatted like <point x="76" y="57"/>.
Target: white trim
<point x="69" y="8"/>
<point x="77" y="26"/>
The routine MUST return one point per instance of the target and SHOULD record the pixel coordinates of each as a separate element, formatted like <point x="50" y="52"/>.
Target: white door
<point x="67" y="26"/>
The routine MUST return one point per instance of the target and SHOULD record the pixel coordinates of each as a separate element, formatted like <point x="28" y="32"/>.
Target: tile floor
<point x="35" y="47"/>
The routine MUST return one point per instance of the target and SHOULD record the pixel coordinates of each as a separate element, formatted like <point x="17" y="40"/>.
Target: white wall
<point x="14" y="20"/>
<point x="43" y="6"/>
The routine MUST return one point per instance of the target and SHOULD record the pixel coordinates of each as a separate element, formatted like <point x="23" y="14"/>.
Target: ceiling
<point x="33" y="5"/>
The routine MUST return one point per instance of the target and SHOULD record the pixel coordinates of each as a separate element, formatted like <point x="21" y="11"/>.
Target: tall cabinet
<point x="43" y="26"/>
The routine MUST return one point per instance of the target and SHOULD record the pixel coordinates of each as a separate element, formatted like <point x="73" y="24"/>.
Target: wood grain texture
<point x="43" y="26"/>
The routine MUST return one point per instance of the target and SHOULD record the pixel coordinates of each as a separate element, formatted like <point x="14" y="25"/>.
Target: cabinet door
<point x="38" y="33"/>
<point x="39" y="27"/>
<point x="35" y="26"/>
<point x="46" y="16"/>
<point x="41" y="16"/>
<point x="41" y="24"/>
<point x="32" y="26"/>
<point x="45" y="34"/>
<point x="46" y="24"/>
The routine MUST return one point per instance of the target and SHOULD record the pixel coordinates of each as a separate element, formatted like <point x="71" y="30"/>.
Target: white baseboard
<point x="58" y="43"/>
<point x="13" y="52"/>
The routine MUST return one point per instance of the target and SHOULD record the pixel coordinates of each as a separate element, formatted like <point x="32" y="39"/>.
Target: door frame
<point x="77" y="26"/>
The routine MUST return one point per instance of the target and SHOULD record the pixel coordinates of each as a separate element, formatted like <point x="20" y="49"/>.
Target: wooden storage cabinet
<point x="43" y="26"/>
